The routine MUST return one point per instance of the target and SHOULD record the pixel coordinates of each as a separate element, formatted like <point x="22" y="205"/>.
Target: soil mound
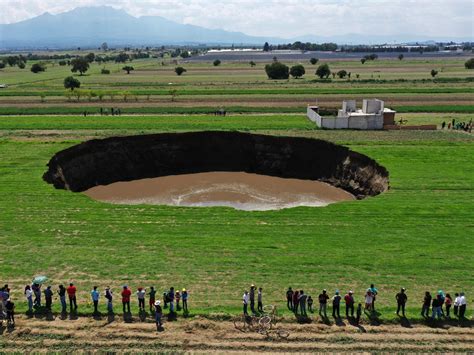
<point x="103" y="162"/>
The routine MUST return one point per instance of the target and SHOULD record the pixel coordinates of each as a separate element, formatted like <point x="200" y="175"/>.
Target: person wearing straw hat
<point x="184" y="297"/>
<point x="158" y="315"/>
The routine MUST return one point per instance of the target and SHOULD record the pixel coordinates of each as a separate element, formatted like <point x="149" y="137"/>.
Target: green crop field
<point x="417" y="235"/>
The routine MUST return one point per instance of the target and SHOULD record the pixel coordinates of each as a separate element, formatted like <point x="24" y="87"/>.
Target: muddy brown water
<point x="239" y="190"/>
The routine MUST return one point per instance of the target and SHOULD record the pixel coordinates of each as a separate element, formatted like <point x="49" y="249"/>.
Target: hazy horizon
<point x="285" y="19"/>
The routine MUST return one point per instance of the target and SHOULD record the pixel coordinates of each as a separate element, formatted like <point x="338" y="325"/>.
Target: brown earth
<point x="205" y="336"/>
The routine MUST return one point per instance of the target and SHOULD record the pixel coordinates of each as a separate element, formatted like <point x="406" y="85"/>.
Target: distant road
<point x="298" y="55"/>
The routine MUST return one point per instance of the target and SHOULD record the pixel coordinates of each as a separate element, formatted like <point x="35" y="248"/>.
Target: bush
<point x="217" y="62"/>
<point x="38" y="67"/>
<point x="323" y="71"/>
<point x="252" y="63"/>
<point x="62" y="63"/>
<point x="433" y="72"/>
<point x="277" y="71"/>
<point x="469" y="64"/>
<point x="297" y="71"/>
<point x="105" y="71"/>
<point x="314" y="61"/>
<point x="21" y="65"/>
<point x="2" y="65"/>
<point x="179" y="70"/>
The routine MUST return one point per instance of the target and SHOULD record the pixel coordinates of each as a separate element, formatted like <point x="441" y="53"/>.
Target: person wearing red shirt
<point x="71" y="292"/>
<point x="126" y="293"/>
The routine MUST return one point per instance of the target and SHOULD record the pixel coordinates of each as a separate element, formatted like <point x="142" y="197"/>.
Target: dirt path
<point x="203" y="335"/>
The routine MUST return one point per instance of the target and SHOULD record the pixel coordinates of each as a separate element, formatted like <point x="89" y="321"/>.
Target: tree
<point x="277" y="70"/>
<point x="122" y="57"/>
<point x="128" y="68"/>
<point x="323" y="71"/>
<point x="266" y="47"/>
<point x="217" y="62"/>
<point x="104" y="46"/>
<point x="401" y="56"/>
<point x="71" y="83"/>
<point x="90" y="57"/>
<point x="2" y="65"/>
<point x="434" y="72"/>
<point x="297" y="71"/>
<point x="184" y="54"/>
<point x="179" y="70"/>
<point x="21" y="65"/>
<point x="80" y="65"/>
<point x="363" y="60"/>
<point x="469" y="64"/>
<point x="62" y="63"/>
<point x="314" y="61"/>
<point x="341" y="74"/>
<point x="252" y="63"/>
<point x="38" y="67"/>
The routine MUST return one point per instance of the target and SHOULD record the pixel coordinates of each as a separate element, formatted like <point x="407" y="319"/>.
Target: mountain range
<point x="89" y="27"/>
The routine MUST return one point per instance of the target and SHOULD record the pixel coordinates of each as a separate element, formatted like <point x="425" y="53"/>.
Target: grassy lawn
<point x="417" y="235"/>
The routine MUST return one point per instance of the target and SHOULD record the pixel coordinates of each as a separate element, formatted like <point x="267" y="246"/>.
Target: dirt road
<point x="203" y="335"/>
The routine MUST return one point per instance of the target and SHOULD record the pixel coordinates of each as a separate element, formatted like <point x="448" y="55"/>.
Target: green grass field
<point x="417" y="235"/>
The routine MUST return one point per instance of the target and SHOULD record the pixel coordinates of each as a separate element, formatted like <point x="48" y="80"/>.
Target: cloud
<point x="284" y="18"/>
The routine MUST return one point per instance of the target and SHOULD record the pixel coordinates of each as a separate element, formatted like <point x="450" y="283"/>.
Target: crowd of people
<point x="460" y="126"/>
<point x="174" y="300"/>
<point x="297" y="301"/>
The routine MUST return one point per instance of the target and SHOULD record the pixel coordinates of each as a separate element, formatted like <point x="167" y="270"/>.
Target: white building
<point x="372" y="116"/>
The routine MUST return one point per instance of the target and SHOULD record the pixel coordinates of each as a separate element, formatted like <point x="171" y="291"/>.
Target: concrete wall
<point x="349" y="105"/>
<point x="372" y="106"/>
<point x="313" y="115"/>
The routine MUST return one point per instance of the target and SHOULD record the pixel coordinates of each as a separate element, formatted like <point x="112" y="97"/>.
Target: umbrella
<point x="40" y="279"/>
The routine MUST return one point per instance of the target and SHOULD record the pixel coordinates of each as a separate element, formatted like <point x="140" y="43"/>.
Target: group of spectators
<point x="175" y="300"/>
<point x="444" y="300"/>
<point x="460" y="126"/>
<point x="104" y="111"/>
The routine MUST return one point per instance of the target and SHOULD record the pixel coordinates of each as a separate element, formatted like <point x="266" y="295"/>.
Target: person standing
<point x="29" y="298"/>
<point x="369" y="300"/>
<point x="336" y="305"/>
<point x="48" y="297"/>
<point x="310" y="304"/>
<point x="141" y="298"/>
<point x="171" y="297"/>
<point x="178" y="299"/>
<point x="184" y="297"/>
<point x="374" y="292"/>
<point x="425" y="310"/>
<point x="126" y="294"/>
<point x="37" y="292"/>
<point x="358" y="313"/>
<point x="289" y="298"/>
<point x="456" y="304"/>
<point x="152" y="296"/>
<point x="10" y="307"/>
<point x="448" y="302"/>
<point x="245" y="302"/>
<point x="62" y="298"/>
<point x="71" y="292"/>
<point x="401" y="298"/>
<point x="323" y="300"/>
<point x="436" y="308"/>
<point x="109" y="297"/>
<point x="158" y="315"/>
<point x="302" y="301"/>
<point x="296" y="297"/>
<point x="349" y="300"/>
<point x="462" y="305"/>
<point x="259" y="300"/>
<point x="252" y="299"/>
<point x="95" y="299"/>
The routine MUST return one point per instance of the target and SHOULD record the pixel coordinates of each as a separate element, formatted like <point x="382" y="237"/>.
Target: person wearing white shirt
<point x="245" y="301"/>
<point x="456" y="303"/>
<point x="29" y="297"/>
<point x="462" y="305"/>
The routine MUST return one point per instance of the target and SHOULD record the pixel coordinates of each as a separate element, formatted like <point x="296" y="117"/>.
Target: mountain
<point x="91" y="26"/>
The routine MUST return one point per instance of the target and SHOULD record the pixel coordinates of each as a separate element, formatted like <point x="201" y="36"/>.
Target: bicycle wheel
<point x="265" y="322"/>
<point x="240" y="323"/>
<point x="268" y="308"/>
<point x="282" y="333"/>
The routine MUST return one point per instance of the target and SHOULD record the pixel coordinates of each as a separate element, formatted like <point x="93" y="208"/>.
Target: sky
<point x="284" y="18"/>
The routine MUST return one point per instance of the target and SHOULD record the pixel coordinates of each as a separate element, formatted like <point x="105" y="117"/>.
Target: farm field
<point x="417" y="235"/>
